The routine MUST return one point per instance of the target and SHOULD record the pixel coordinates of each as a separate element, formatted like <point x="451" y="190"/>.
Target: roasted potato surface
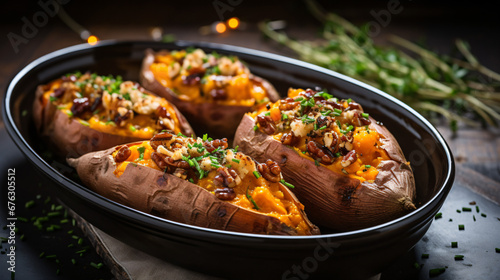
<point x="81" y="113"/>
<point x="348" y="170"/>
<point x="197" y="181"/>
<point x="213" y="91"/>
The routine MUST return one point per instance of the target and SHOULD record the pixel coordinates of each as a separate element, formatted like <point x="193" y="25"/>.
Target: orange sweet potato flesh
<point x="385" y="191"/>
<point x="67" y="137"/>
<point x="152" y="191"/>
<point x="216" y="119"/>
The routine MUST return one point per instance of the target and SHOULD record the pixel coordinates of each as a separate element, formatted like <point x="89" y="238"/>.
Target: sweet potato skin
<point x="333" y="200"/>
<point x="215" y="119"/>
<point x="67" y="137"/>
<point x="167" y="196"/>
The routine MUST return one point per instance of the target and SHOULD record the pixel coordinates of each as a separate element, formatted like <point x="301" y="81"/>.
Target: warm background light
<point x="220" y="27"/>
<point x="92" y="40"/>
<point x="233" y="23"/>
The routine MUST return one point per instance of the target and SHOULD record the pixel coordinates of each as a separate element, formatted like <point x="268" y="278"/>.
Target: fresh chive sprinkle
<point x="249" y="197"/>
<point x="255" y="128"/>
<point x="425" y="256"/>
<point x="466" y="209"/>
<point x="29" y="204"/>
<point x="461" y="227"/>
<point x="365" y="115"/>
<point x="477" y="209"/>
<point x="73" y="261"/>
<point x="205" y="136"/>
<point x="236" y="160"/>
<point x="483" y="215"/>
<point x="368" y="166"/>
<point x="454" y="244"/>
<point x="287" y="184"/>
<point x="256" y="174"/>
<point x="459" y="257"/>
<point x="436" y="271"/>
<point x="41" y="255"/>
<point x="458" y="211"/>
<point x="51" y="257"/>
<point x="416" y="265"/>
<point x="474" y="217"/>
<point x="497" y="250"/>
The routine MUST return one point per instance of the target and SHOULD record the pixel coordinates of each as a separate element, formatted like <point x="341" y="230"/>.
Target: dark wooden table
<point x="476" y="151"/>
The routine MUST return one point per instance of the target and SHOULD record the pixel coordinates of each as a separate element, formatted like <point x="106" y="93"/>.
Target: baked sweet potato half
<point x="348" y="169"/>
<point x="197" y="181"/>
<point x="213" y="91"/>
<point x="81" y="113"/>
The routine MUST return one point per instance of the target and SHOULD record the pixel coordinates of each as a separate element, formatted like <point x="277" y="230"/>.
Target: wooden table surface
<point x="476" y="151"/>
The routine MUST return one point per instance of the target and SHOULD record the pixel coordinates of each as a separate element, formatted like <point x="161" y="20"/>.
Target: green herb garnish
<point x="141" y="153"/>
<point x="257" y="174"/>
<point x="249" y="197"/>
<point x="287" y="184"/>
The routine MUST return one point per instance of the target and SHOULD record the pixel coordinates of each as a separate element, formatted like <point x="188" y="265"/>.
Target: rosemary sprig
<point x="459" y="89"/>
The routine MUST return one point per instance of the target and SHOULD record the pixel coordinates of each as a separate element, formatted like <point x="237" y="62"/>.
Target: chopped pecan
<point x="270" y="170"/>
<point x="162" y="112"/>
<point x="214" y="144"/>
<point x="226" y="177"/>
<point x="289" y="139"/>
<point x="162" y="138"/>
<point x="225" y="193"/>
<point x="359" y="120"/>
<point x="123" y="154"/>
<point x="80" y="106"/>
<point x="192" y="79"/>
<point x="288" y="104"/>
<point x="58" y="92"/>
<point x="320" y="152"/>
<point x="349" y="158"/>
<point x="159" y="159"/>
<point x="267" y="124"/>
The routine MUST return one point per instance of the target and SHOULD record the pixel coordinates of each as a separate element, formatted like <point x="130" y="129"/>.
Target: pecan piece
<point x="349" y="158"/>
<point x="123" y="154"/>
<point x="267" y="124"/>
<point x="270" y="170"/>
<point x="225" y="193"/>
<point x="80" y="106"/>
<point x="288" y="104"/>
<point x="214" y="144"/>
<point x="320" y="152"/>
<point x="289" y="139"/>
<point x="162" y="138"/>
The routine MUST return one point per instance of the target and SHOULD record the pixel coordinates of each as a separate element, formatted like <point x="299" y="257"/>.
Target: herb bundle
<point x="461" y="90"/>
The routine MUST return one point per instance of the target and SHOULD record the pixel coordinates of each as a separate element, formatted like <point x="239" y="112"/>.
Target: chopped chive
<point x="459" y="257"/>
<point x="80" y="241"/>
<point x="368" y="166"/>
<point x="323" y="127"/>
<point x="416" y="265"/>
<point x="474" y="217"/>
<point x="483" y="215"/>
<point x="497" y="250"/>
<point x="458" y="211"/>
<point x="22" y="219"/>
<point x="255" y="128"/>
<point x="81" y="251"/>
<point x="256" y="174"/>
<point x="132" y="128"/>
<point x="466" y="209"/>
<point x="425" y="256"/>
<point x="249" y="197"/>
<point x="53" y="214"/>
<point x="454" y="244"/>
<point x="236" y="160"/>
<point x="365" y="115"/>
<point x="287" y="184"/>
<point x="73" y="261"/>
<point x="205" y="136"/>
<point x="29" y="204"/>
<point x="96" y="266"/>
<point x="41" y="255"/>
<point x="461" y="227"/>
<point x="477" y="209"/>
<point x="436" y="271"/>
<point x="51" y="256"/>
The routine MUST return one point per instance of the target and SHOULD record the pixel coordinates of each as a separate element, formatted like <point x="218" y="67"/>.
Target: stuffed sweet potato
<point x="196" y="181"/>
<point x="348" y="169"/>
<point x="213" y="91"/>
<point x="81" y="113"/>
